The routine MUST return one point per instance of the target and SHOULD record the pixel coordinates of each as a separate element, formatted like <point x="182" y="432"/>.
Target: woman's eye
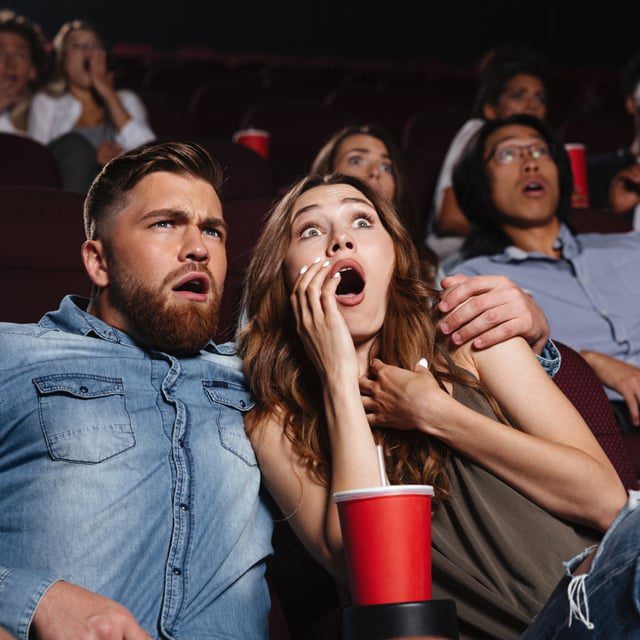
<point x="387" y="168"/>
<point x="361" y="223"/>
<point x="354" y="161"/>
<point x="310" y="232"/>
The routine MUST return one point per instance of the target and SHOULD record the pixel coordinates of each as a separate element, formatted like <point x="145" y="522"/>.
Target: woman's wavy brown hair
<point x="285" y="383"/>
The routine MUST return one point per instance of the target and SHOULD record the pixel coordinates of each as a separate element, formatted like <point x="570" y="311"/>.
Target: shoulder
<point x="611" y="241"/>
<point x="474" y="266"/>
<point x="130" y="98"/>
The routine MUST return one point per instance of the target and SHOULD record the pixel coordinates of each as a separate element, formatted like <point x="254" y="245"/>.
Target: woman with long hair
<point x="367" y="152"/>
<point x="80" y="103"/>
<point x="338" y="320"/>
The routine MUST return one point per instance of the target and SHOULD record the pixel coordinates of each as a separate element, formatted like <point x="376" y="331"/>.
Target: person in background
<point x="79" y="114"/>
<point x="23" y="62"/>
<point x="514" y="185"/>
<point x="614" y="178"/>
<point x="512" y="81"/>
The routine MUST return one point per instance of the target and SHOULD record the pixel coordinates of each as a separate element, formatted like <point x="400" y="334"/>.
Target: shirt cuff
<point x="20" y="594"/>
<point x="550" y="358"/>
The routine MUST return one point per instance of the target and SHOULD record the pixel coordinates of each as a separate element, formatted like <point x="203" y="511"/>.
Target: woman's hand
<point x="101" y="79"/>
<point x="399" y="398"/>
<point x="320" y="325"/>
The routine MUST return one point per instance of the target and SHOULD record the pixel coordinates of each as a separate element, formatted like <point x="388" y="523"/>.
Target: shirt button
<point x="242" y="403"/>
<point x="84" y="389"/>
<point x="184" y="507"/>
<point x="176" y="571"/>
<point x="181" y="443"/>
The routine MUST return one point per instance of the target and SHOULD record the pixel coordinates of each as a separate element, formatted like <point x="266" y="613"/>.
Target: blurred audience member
<point x="614" y="178"/>
<point x="514" y="185"/>
<point x="368" y="152"/>
<point x="511" y="81"/>
<point x="80" y="113"/>
<point x="23" y="61"/>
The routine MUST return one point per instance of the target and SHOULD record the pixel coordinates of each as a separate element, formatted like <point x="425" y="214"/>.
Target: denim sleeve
<point x="550" y="358"/>
<point x="20" y="593"/>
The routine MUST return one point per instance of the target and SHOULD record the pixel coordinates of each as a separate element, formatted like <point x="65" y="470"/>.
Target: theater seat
<point x="577" y="380"/>
<point x="24" y="162"/>
<point x="40" y="244"/>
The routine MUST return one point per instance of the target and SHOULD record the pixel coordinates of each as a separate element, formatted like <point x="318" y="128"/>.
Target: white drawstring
<point x="577" y="593"/>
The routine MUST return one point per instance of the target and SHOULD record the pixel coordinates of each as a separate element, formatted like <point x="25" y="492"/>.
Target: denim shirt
<point x="127" y="471"/>
<point x="591" y="295"/>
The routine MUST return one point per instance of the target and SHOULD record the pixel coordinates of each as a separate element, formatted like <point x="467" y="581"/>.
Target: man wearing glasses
<point x="515" y="187"/>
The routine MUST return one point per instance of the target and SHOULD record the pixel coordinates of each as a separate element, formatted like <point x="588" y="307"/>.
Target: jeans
<point x="603" y="604"/>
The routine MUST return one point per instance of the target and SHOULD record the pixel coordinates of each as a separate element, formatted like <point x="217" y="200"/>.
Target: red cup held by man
<point x="578" y="159"/>
<point x="386" y="532"/>
<point x="255" y="139"/>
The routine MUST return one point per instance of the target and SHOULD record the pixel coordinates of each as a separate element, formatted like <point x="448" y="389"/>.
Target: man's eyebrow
<point x="514" y="137"/>
<point x="182" y="216"/>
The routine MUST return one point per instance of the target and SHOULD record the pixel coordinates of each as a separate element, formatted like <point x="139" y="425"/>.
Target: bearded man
<point x="129" y="502"/>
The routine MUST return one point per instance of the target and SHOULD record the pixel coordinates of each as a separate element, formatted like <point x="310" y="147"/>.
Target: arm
<point x="37" y="606"/>
<point x="620" y="376"/>
<point x="450" y="221"/>
<point x="486" y="310"/>
<point x="41" y="116"/>
<point x="624" y="193"/>
<point x="126" y="111"/>
<point x="306" y="503"/>
<point x="550" y="456"/>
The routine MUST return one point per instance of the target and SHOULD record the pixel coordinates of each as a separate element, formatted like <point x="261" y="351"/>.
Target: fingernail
<point x="316" y="261"/>
<point x="337" y="274"/>
<point x="304" y="269"/>
<point x="444" y="305"/>
<point x="423" y="362"/>
<point x="326" y="263"/>
<point x="477" y="343"/>
<point x="456" y="338"/>
<point x="444" y="327"/>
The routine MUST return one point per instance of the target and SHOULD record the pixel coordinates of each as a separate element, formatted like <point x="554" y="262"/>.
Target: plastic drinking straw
<point x="384" y="481"/>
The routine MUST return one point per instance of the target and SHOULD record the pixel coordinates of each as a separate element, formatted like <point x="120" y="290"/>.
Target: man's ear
<point x="95" y="262"/>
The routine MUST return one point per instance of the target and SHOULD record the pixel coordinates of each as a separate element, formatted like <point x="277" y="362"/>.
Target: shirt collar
<point x="566" y="242"/>
<point x="72" y="317"/>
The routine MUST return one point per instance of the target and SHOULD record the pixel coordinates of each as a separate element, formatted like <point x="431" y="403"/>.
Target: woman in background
<point x="80" y="114"/>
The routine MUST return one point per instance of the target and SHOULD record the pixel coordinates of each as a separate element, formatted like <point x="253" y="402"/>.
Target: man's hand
<point x="69" y="612"/>
<point x="620" y="376"/>
<point x="489" y="310"/>
<point x="624" y="193"/>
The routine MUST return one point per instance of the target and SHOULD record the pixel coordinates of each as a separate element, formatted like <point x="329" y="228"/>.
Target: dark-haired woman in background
<point x="511" y="81"/>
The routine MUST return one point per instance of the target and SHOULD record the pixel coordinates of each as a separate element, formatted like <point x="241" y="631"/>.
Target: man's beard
<point x="179" y="328"/>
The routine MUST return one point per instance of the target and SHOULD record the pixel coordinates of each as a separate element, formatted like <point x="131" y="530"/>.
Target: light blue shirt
<point x="591" y="295"/>
<point x="127" y="471"/>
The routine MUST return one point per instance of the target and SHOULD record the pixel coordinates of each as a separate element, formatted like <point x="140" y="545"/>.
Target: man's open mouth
<point x="196" y="283"/>
<point x="533" y="187"/>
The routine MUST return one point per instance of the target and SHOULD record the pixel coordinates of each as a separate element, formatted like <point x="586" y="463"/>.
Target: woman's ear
<point x="95" y="262"/>
<point x="489" y="111"/>
<point x="630" y="103"/>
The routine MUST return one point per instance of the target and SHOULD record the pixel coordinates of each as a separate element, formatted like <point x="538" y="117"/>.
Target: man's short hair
<point x="108" y="193"/>
<point x="473" y="188"/>
<point x="11" y="22"/>
<point x="631" y="75"/>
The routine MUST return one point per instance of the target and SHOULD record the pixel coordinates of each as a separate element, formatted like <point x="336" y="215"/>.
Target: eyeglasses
<point x="507" y="155"/>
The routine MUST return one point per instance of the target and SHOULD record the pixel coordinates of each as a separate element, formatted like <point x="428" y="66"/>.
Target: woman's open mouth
<point x="350" y="291"/>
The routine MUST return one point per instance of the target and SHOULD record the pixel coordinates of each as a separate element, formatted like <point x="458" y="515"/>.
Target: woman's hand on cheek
<point x="399" y="398"/>
<point x="320" y="325"/>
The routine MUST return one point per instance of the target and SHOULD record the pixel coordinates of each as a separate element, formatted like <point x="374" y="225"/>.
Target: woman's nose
<point x="342" y="241"/>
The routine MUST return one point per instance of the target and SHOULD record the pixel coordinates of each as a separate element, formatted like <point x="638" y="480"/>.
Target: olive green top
<point x="495" y="552"/>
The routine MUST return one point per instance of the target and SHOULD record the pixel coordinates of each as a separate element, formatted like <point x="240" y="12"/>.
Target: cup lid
<point x="251" y="132"/>
<point x="575" y="145"/>
<point x="389" y="490"/>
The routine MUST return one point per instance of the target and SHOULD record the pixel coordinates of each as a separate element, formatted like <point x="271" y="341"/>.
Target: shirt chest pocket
<point x="83" y="417"/>
<point x="233" y="401"/>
